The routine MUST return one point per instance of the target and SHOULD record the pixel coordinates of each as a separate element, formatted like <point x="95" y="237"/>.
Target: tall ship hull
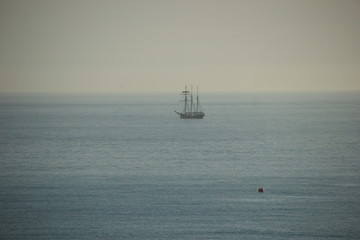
<point x="194" y="115"/>
<point x="192" y="108"/>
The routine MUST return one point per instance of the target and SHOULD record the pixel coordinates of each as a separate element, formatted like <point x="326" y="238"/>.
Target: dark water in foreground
<point x="120" y="166"/>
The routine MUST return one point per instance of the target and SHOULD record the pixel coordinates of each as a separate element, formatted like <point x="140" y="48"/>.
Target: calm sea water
<point x="125" y="166"/>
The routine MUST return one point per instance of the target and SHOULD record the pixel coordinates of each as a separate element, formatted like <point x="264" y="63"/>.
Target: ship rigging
<point x="192" y="109"/>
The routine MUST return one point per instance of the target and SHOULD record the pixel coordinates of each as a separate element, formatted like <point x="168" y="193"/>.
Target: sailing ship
<point x="192" y="109"/>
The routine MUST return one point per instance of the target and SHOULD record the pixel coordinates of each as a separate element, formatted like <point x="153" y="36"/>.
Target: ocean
<point x="125" y="166"/>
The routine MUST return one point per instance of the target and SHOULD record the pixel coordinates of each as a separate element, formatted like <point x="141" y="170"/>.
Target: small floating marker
<point x="261" y="189"/>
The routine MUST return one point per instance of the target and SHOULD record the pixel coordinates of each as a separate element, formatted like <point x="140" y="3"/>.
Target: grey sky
<point x="162" y="45"/>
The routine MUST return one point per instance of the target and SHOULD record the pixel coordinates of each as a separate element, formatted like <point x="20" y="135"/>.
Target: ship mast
<point x="185" y="93"/>
<point x="197" y="99"/>
<point x="191" y="101"/>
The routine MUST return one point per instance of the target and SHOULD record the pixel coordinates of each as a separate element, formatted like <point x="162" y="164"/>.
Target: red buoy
<point x="261" y="189"/>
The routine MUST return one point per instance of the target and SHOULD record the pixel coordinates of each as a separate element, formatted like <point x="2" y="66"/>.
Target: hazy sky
<point x="162" y="45"/>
